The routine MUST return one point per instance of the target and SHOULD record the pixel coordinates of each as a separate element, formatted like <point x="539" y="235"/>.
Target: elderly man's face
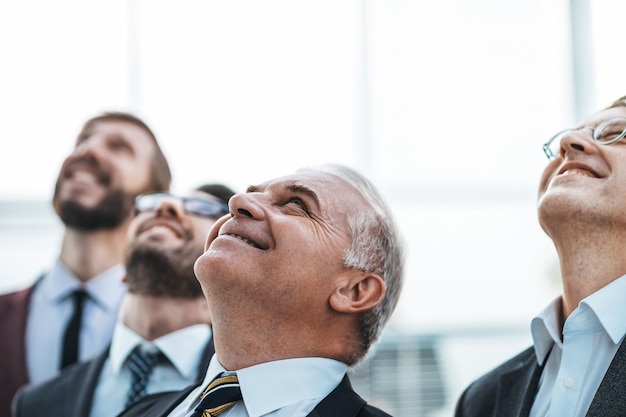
<point x="282" y="246"/>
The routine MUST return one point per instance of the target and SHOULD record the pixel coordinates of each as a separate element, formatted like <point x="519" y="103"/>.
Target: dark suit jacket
<point x="13" y="372"/>
<point x="510" y="389"/>
<point x="71" y="393"/>
<point x="341" y="402"/>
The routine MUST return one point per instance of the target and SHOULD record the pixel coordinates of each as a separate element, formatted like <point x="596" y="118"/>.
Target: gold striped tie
<point x="222" y="393"/>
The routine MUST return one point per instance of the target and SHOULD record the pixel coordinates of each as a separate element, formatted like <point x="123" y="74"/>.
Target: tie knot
<point x="225" y="379"/>
<point x="223" y="392"/>
<point x="144" y="360"/>
<point x="78" y="297"/>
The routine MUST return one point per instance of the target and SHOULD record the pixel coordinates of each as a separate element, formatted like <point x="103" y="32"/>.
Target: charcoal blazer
<point x="13" y="372"/>
<point x="509" y="390"/>
<point x="71" y="393"/>
<point x="341" y="402"/>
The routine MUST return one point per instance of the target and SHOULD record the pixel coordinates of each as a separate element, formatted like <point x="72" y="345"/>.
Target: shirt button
<point x="569" y="382"/>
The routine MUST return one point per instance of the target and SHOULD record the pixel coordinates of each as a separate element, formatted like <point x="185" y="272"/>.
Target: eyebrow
<point x="303" y="189"/>
<point x="294" y="188"/>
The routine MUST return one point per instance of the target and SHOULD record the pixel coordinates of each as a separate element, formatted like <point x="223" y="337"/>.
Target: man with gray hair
<point x="300" y="276"/>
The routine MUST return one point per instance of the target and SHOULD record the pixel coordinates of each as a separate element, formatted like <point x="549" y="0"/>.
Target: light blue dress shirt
<point x="51" y="307"/>
<point x="285" y="388"/>
<point x="183" y="348"/>
<point x="575" y="366"/>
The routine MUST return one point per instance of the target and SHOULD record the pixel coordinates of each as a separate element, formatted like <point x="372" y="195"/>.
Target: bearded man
<point x="69" y="313"/>
<point x="162" y="341"/>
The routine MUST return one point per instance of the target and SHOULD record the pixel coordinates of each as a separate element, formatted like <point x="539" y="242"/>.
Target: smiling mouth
<point x="84" y="177"/>
<point x="247" y="241"/>
<point x="577" y="171"/>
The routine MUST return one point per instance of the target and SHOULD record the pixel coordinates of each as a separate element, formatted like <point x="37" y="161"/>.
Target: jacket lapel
<point x="82" y="398"/>
<point x="209" y="350"/>
<point x="610" y="399"/>
<point x="341" y="402"/>
<point x="517" y="388"/>
<point x="159" y="404"/>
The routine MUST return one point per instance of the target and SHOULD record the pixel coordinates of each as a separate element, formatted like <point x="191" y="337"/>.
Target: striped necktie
<point x="222" y="393"/>
<point x="141" y="363"/>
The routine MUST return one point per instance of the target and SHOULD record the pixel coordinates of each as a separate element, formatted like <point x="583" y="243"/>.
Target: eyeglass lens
<point x="198" y="206"/>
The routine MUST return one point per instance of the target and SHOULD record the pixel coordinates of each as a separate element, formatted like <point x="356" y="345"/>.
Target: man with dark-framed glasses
<point x="163" y="339"/>
<point x="577" y="363"/>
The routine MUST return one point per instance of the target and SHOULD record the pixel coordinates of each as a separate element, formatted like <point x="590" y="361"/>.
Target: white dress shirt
<point x="183" y="348"/>
<point x="285" y="388"/>
<point x="50" y="310"/>
<point x="575" y="366"/>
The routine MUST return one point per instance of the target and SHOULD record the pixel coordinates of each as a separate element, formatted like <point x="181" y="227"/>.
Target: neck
<point x="153" y="317"/>
<point x="589" y="260"/>
<point x="88" y="254"/>
<point x="256" y="339"/>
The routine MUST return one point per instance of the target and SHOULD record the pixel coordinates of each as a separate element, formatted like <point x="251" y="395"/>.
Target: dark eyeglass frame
<point x="203" y="207"/>
<point x="596" y="132"/>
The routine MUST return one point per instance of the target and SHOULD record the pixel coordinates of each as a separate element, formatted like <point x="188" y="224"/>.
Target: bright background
<point x="443" y="104"/>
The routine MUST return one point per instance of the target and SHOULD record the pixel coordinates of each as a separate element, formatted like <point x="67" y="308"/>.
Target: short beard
<point x="115" y="208"/>
<point x="151" y="272"/>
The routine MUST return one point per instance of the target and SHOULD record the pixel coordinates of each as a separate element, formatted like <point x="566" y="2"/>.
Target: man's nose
<point x="578" y="140"/>
<point x="169" y="207"/>
<point x="93" y="146"/>
<point x="247" y="205"/>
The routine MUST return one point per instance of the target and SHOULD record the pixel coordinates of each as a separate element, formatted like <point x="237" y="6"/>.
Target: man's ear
<point x="357" y="291"/>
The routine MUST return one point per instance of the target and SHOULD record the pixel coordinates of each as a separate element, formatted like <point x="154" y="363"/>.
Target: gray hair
<point x="376" y="247"/>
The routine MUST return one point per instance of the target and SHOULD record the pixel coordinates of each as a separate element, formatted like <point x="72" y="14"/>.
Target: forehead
<point x="329" y="190"/>
<point x="605" y="114"/>
<point x="120" y="128"/>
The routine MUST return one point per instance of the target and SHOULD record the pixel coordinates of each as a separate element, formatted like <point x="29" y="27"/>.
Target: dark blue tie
<point x="222" y="393"/>
<point x="141" y="364"/>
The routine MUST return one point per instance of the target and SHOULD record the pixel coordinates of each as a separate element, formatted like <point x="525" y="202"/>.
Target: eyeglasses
<point x="606" y="133"/>
<point x="198" y="206"/>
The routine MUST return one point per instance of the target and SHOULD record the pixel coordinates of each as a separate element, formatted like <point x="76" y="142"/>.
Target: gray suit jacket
<point x="71" y="393"/>
<point x="509" y="390"/>
<point x="341" y="402"/>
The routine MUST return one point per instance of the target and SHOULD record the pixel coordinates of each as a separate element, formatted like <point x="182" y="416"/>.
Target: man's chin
<point x="100" y="217"/>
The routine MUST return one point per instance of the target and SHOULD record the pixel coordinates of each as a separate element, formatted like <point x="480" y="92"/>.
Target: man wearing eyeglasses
<point x="162" y="340"/>
<point x="577" y="364"/>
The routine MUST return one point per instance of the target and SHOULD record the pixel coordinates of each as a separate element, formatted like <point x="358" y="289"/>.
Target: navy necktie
<point x="141" y="363"/>
<point x="221" y="394"/>
<point x="72" y="331"/>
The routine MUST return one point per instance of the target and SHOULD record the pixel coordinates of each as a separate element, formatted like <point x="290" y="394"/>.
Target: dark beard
<point x="110" y="213"/>
<point x="151" y="272"/>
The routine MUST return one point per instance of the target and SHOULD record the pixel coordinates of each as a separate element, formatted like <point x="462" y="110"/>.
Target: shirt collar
<point x="545" y="329"/>
<point x="105" y="289"/>
<point x="184" y="348"/>
<point x="608" y="305"/>
<point x="272" y="385"/>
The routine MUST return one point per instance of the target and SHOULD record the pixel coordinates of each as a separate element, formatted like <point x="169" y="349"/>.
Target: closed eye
<point x="119" y="145"/>
<point x="298" y="202"/>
